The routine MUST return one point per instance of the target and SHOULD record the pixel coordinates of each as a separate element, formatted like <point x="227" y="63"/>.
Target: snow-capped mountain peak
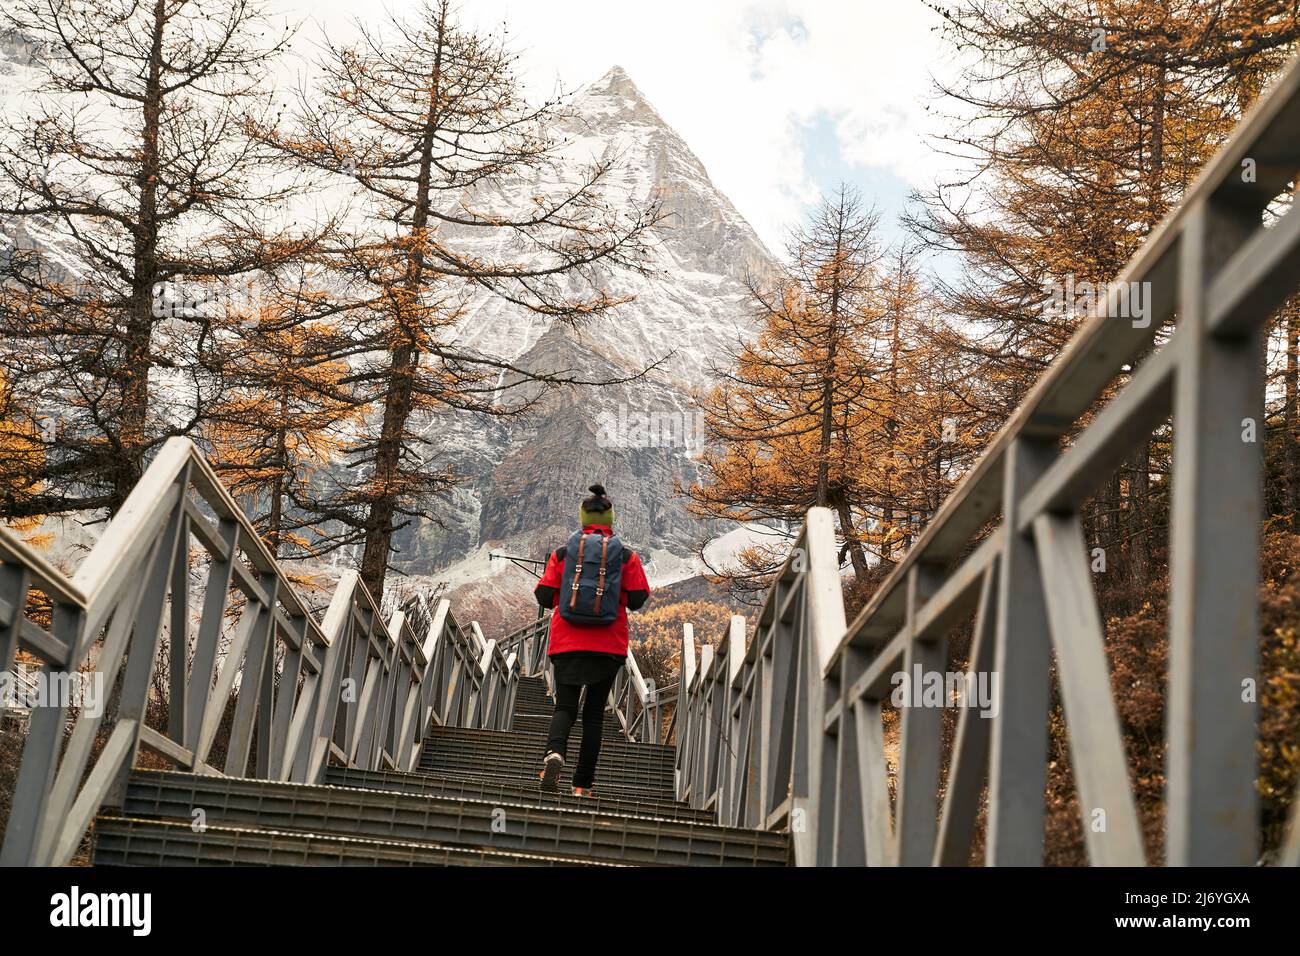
<point x="524" y="479"/>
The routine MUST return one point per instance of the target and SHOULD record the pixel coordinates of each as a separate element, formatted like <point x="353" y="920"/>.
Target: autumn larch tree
<point x="283" y="414"/>
<point x="929" y="407"/>
<point x="128" y="172"/>
<point x="656" y="634"/>
<point x="22" y="455"/>
<point x="428" y="122"/>
<point x="792" y="423"/>
<point x="1078" y="126"/>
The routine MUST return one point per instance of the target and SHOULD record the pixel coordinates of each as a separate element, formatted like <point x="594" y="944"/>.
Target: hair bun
<point x="597" y="489"/>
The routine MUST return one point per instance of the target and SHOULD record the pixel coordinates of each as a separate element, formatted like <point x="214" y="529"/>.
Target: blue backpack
<point x="592" y="579"/>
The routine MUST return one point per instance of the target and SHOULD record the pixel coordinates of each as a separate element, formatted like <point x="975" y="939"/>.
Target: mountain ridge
<point x="523" y="479"/>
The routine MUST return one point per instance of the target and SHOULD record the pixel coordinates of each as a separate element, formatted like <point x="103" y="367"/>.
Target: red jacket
<point x="606" y="638"/>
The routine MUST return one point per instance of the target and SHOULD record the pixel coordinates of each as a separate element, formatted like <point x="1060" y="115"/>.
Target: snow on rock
<point x="524" y="478"/>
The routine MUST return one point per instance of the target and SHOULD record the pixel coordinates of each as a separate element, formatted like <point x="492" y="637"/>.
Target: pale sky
<point x="780" y="99"/>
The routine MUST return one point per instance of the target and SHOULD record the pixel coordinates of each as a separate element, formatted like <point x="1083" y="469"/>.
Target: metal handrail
<point x="787" y="732"/>
<point x="529" y="643"/>
<point x="737" y="709"/>
<point x="350" y="688"/>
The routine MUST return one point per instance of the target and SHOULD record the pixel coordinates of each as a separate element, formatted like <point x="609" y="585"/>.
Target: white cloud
<point x="739" y="79"/>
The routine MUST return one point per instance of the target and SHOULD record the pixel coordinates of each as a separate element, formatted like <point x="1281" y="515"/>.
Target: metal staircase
<point x="473" y="801"/>
<point x="355" y="737"/>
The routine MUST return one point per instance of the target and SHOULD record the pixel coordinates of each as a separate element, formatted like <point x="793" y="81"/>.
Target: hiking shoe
<point x="582" y="791"/>
<point x="550" y="773"/>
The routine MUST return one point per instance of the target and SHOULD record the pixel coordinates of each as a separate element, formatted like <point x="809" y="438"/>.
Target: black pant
<point x="593" y="715"/>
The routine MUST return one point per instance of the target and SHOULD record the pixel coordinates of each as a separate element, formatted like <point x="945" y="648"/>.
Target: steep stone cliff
<point x="524" y="477"/>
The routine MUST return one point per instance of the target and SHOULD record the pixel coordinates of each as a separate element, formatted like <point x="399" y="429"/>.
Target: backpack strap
<point x="600" y="582"/>
<point x="577" y="574"/>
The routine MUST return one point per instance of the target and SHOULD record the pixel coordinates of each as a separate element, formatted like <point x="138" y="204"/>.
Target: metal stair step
<point x="479" y="789"/>
<point x="533" y="704"/>
<point x="527" y="768"/>
<point x="528" y="780"/>
<point x="534" y="727"/>
<point x="650" y="755"/>
<point x="540" y="724"/>
<point x="392" y="816"/>
<point x="652" y="787"/>
<point x="535" y="701"/>
<point x="608" y="780"/>
<point x="528" y="753"/>
<point x="128" y="841"/>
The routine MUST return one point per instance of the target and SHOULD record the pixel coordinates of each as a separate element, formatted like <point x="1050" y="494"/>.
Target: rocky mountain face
<point x="16" y="51"/>
<point x="525" y="477"/>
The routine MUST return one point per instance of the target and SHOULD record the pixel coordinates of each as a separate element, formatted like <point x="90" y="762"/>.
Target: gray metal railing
<point x="638" y="705"/>
<point x="740" y="710"/>
<point x="529" y="643"/>
<point x="787" y="731"/>
<point x="351" y="688"/>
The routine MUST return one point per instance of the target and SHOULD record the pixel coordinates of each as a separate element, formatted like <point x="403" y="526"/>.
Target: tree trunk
<point x="856" y="555"/>
<point x="388" y="456"/>
<point x="399" y="400"/>
<point x="138" y="353"/>
<point x="1139" y="541"/>
<point x="1290" y="414"/>
<point x="275" y="521"/>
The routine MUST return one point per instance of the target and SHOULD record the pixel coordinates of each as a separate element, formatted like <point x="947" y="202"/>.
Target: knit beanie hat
<point x="597" y="509"/>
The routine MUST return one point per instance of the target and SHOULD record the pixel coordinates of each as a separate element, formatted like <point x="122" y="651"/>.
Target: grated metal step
<point x="529" y="781"/>
<point x="126" y="841"/>
<point x="525" y="771"/>
<point x="540" y="724"/>
<point x="532" y="746"/>
<point x="479" y="789"/>
<point x="393" y="816"/>
<point x="534" y="707"/>
<point x="500" y="755"/>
